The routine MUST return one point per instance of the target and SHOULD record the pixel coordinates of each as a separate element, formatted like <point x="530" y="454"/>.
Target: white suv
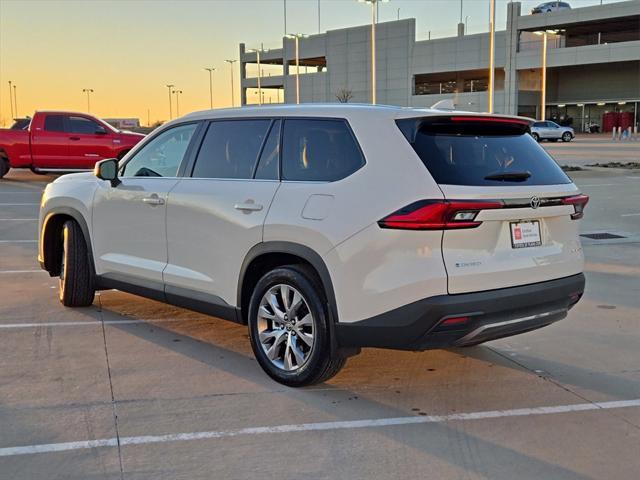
<point x="327" y="228"/>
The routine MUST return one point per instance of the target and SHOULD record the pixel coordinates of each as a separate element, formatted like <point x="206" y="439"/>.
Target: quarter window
<point x="161" y="157"/>
<point x="230" y="149"/>
<point x="319" y="150"/>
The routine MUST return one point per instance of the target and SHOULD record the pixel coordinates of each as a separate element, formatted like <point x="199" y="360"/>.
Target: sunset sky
<point x="128" y="50"/>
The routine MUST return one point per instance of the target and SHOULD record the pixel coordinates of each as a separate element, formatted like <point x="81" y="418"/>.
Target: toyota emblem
<point x="535" y="202"/>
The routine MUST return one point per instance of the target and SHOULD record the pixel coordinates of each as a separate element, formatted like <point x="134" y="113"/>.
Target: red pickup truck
<point x="62" y="142"/>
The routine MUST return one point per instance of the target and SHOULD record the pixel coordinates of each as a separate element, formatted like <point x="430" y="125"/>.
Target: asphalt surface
<point x="130" y="388"/>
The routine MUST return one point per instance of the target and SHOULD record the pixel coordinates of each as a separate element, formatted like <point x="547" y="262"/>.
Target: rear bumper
<point x="491" y="314"/>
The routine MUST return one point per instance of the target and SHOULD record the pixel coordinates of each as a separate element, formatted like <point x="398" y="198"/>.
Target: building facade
<point x="592" y="66"/>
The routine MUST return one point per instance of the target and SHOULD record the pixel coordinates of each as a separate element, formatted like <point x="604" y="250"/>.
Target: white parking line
<point x="10" y="272"/>
<point x="18" y="219"/>
<point x="309" y="427"/>
<point x="18" y="204"/>
<point x="18" y="241"/>
<point x="97" y="323"/>
<point x="630" y="215"/>
<point x="600" y="185"/>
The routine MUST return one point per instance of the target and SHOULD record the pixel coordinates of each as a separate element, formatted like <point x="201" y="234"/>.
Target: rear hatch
<point x="512" y="211"/>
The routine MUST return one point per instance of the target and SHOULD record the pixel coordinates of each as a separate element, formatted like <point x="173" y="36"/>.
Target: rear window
<point x="54" y="123"/>
<point x="480" y="153"/>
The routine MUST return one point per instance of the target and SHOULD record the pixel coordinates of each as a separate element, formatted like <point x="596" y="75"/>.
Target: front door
<point x="89" y="141"/>
<point x="129" y="227"/>
<point x="216" y="215"/>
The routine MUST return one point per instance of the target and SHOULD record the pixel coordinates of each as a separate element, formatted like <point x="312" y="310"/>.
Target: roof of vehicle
<point x="335" y="110"/>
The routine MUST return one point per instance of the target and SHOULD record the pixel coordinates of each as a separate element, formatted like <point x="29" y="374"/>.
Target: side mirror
<point x="100" y="130"/>
<point x="107" y="170"/>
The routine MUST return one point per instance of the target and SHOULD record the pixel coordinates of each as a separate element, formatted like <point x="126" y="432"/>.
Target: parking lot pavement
<point x="591" y="149"/>
<point x="130" y="388"/>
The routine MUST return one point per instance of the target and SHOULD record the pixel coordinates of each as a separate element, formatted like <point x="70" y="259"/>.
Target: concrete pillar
<point x="461" y="31"/>
<point x="243" y="75"/>
<point x="510" y="106"/>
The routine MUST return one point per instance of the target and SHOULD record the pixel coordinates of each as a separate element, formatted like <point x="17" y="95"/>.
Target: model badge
<point x="535" y="202"/>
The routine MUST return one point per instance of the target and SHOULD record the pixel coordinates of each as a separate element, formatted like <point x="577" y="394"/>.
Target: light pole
<point x="170" y="86"/>
<point x="318" y="16"/>
<point x="231" y="62"/>
<point x="259" y="75"/>
<point x="492" y="52"/>
<point x="210" y="70"/>
<point x="296" y="37"/>
<point x="88" y="91"/>
<point x="15" y="99"/>
<point x="177" y="93"/>
<point x="11" y="100"/>
<point x="374" y="8"/>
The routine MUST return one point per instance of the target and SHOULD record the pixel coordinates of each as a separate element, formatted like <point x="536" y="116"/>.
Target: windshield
<point x="481" y="154"/>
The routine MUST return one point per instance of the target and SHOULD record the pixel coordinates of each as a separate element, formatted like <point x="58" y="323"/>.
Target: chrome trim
<point x="473" y="334"/>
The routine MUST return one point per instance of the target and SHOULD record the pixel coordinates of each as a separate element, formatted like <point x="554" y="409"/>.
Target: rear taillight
<point x="438" y="214"/>
<point x="578" y="202"/>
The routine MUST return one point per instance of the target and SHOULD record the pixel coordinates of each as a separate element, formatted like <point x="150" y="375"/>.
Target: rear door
<point x="525" y="231"/>
<point x="216" y="215"/>
<point x="50" y="142"/>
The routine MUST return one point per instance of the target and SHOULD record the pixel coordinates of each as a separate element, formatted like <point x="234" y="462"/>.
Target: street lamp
<point x="374" y="6"/>
<point x="177" y="93"/>
<point x="297" y="37"/>
<point x="259" y="74"/>
<point x="492" y="52"/>
<point x="15" y="99"/>
<point x="231" y="62"/>
<point x="210" y="70"/>
<point x="170" y="86"/>
<point x="11" y="100"/>
<point x="88" y="91"/>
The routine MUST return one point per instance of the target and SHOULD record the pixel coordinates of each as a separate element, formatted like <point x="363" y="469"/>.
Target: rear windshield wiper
<point x="509" y="176"/>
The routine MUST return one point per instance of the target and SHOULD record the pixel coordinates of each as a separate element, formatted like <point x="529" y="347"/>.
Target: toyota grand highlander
<point x="327" y="228"/>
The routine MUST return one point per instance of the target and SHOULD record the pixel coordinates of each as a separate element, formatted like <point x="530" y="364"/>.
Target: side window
<point x="54" y="123"/>
<point x="318" y="150"/>
<point x="268" y="163"/>
<point x="82" y="125"/>
<point x="161" y="157"/>
<point x="539" y="124"/>
<point x="230" y="149"/>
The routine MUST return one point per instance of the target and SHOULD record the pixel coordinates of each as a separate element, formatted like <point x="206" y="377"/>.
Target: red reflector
<point x="454" y="321"/>
<point x="481" y="119"/>
<point x="438" y="214"/>
<point x="578" y="202"/>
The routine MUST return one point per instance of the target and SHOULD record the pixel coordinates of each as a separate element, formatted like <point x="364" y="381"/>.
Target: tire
<point x="567" y="137"/>
<point x="76" y="286"/>
<point x="536" y="137"/>
<point x="276" y="337"/>
<point x="4" y="167"/>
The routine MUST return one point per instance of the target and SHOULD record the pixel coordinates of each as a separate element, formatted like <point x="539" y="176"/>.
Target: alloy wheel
<point x="286" y="327"/>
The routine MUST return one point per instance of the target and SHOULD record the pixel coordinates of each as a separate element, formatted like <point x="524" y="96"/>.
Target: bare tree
<point x="344" y="95"/>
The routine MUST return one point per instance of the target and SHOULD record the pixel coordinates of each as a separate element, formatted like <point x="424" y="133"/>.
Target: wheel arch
<point x="268" y="255"/>
<point x="50" y="242"/>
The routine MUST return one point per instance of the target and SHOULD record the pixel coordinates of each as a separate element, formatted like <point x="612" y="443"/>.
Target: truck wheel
<point x="76" y="277"/>
<point x="4" y="167"/>
<point x="289" y="328"/>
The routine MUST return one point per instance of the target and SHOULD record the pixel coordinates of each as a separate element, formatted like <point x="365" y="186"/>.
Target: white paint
<point x="18" y="241"/>
<point x="310" y="427"/>
<point x="96" y="323"/>
<point x="17" y="204"/>
<point x="18" y="219"/>
<point x="9" y="272"/>
<point x="630" y="215"/>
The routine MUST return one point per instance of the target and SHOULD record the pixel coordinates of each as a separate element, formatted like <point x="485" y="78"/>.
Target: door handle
<point x="248" y="206"/>
<point x="74" y="138"/>
<point x="153" y="200"/>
